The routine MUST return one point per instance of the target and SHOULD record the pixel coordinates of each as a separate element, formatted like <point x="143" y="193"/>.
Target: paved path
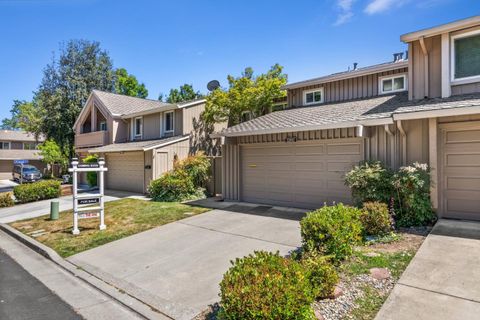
<point x="443" y="279"/>
<point x="24" y="297"/>
<point x="40" y="289"/>
<point x="40" y="208"/>
<point x="177" y="267"/>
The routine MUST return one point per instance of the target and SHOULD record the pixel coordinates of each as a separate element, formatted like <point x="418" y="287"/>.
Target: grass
<point x="122" y="217"/>
<point x="368" y="305"/>
<point x="360" y="263"/>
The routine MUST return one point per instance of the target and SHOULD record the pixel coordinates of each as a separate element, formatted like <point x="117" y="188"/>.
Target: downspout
<point x="392" y="145"/>
<point x="403" y="134"/>
<point x="425" y="63"/>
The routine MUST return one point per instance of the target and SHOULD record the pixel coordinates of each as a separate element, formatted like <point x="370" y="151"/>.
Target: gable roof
<point x="387" y="66"/>
<point x="375" y="111"/>
<point x="15" y="135"/>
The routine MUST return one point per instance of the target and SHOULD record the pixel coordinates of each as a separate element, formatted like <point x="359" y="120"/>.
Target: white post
<point x="75" y="205"/>
<point x="101" y="162"/>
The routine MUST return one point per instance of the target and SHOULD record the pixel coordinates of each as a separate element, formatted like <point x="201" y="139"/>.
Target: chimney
<point x="355" y="65"/>
<point x="397" y="56"/>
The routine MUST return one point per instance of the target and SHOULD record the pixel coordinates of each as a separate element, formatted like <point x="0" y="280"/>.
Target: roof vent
<point x="355" y="65"/>
<point x="397" y="56"/>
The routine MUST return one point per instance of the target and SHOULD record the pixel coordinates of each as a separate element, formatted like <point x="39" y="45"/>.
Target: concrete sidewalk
<point x="443" y="279"/>
<point x="40" y="208"/>
<point x="83" y="298"/>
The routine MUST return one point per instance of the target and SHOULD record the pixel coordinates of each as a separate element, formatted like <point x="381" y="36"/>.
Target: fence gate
<point x="82" y="208"/>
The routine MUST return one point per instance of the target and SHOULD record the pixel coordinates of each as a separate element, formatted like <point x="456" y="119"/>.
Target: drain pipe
<point x="404" y="141"/>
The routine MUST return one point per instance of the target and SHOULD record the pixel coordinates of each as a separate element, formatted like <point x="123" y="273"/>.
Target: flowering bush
<point x="412" y="192"/>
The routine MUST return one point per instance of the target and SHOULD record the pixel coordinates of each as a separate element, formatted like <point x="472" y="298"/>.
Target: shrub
<point x="370" y="181"/>
<point x="265" y="285"/>
<point x="172" y="186"/>
<point x="91" y="176"/>
<point x="320" y="272"/>
<point x="45" y="189"/>
<point x="331" y="230"/>
<point x="197" y="167"/>
<point x="412" y="192"/>
<point x="6" y="200"/>
<point x="375" y="218"/>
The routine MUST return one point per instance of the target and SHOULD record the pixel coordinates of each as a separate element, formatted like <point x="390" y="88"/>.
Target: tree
<point x="66" y="85"/>
<point x="127" y="84"/>
<point x="52" y="154"/>
<point x="25" y="116"/>
<point x="184" y="93"/>
<point x="245" y="93"/>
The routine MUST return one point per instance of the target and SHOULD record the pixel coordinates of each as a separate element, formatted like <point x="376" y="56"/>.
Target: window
<point x="466" y="56"/>
<point x="138" y="127"/>
<point x="393" y="84"/>
<point x="4" y="145"/>
<point x="246" y="116"/>
<point x="313" y="96"/>
<point x="103" y="126"/>
<point x="169" y="121"/>
<point x="29" y="146"/>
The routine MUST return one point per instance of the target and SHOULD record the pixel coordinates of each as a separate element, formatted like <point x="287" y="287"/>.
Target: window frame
<point x="29" y="143"/>
<point x="305" y="92"/>
<point x="165" y="121"/>
<point x="392" y="78"/>
<point x="463" y="80"/>
<point x="6" y="143"/>
<point x="104" y="123"/>
<point x="135" y="135"/>
<point x="282" y="105"/>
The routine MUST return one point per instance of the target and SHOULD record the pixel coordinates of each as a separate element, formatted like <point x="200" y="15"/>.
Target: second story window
<point x="169" y="121"/>
<point x="29" y="146"/>
<point x="4" y="145"/>
<point x="313" y="96"/>
<point x="138" y="127"/>
<point x="393" y="84"/>
<point x="103" y="126"/>
<point x="466" y="56"/>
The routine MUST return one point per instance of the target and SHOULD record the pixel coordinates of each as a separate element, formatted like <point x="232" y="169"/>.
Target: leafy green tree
<point x="52" y="154"/>
<point x="245" y="93"/>
<point x="128" y="84"/>
<point x="66" y="85"/>
<point x="184" y="93"/>
<point x="25" y="116"/>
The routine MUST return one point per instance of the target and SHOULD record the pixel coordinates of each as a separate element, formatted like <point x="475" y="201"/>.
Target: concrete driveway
<point x="7" y="185"/>
<point x="177" y="268"/>
<point x="443" y="279"/>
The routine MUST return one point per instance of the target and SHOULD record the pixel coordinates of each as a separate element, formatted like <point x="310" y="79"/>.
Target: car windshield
<point x="30" y="170"/>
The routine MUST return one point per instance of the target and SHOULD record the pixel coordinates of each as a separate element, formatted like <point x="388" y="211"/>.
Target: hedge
<point x="45" y="189"/>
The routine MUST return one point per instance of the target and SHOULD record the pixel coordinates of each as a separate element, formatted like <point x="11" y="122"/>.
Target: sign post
<point x="85" y="211"/>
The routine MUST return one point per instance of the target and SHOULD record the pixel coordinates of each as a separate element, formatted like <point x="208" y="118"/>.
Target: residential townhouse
<point x="421" y="108"/>
<point x="139" y="138"/>
<point x="18" y="145"/>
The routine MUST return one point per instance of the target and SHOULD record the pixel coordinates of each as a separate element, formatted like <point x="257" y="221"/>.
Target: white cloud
<point x="379" y="6"/>
<point x="346" y="12"/>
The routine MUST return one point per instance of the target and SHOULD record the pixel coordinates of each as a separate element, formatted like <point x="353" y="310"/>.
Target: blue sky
<point x="168" y="43"/>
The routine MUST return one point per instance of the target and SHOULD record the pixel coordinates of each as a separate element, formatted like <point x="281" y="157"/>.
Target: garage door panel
<point x="125" y="171"/>
<point x="303" y="174"/>
<point x="460" y="155"/>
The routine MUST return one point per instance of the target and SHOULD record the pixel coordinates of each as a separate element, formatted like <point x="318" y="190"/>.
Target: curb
<point x="139" y="307"/>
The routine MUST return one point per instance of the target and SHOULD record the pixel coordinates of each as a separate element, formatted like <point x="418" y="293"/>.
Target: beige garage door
<point x="460" y="171"/>
<point x="125" y="171"/>
<point x="302" y="174"/>
<point x="6" y="167"/>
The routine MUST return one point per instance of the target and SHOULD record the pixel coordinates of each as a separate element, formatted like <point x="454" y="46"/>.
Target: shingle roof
<point x="348" y="113"/>
<point x="13" y="135"/>
<point x="141" y="145"/>
<point x="119" y="104"/>
<point x="14" y="154"/>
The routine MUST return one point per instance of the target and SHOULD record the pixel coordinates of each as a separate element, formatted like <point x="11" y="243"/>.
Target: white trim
<point x="165" y="121"/>
<point x="348" y="75"/>
<point x="392" y="77"/>
<point x="305" y="92"/>
<point x="135" y="135"/>
<point x="191" y="103"/>
<point x="436" y="113"/>
<point x="103" y="122"/>
<point x="452" y="59"/>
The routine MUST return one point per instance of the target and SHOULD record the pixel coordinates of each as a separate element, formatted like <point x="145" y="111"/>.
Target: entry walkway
<point x="443" y="279"/>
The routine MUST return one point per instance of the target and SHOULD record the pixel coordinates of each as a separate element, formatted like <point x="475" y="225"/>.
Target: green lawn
<point x="122" y="217"/>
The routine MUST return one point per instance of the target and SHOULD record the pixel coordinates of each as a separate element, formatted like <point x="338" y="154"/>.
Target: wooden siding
<point x="191" y="118"/>
<point x="466" y="88"/>
<point x="348" y="89"/>
<point x="180" y="149"/>
<point x="418" y="69"/>
<point x="151" y="126"/>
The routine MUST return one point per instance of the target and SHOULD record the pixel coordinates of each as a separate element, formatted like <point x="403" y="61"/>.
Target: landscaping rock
<point x="318" y="315"/>
<point x="337" y="292"/>
<point x="380" y="273"/>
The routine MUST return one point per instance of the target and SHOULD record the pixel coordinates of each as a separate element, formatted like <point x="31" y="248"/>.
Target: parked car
<point x="26" y="173"/>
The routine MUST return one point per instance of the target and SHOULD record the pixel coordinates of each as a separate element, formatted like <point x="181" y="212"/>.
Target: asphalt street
<point x="23" y="297"/>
